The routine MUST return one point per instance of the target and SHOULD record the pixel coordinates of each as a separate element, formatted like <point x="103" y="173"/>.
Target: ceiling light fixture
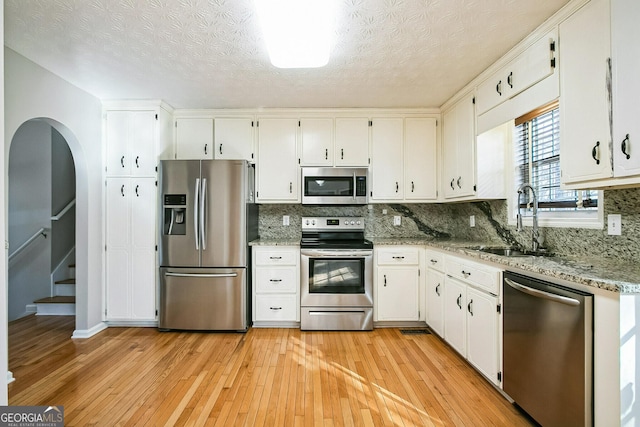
<point x="298" y="33"/>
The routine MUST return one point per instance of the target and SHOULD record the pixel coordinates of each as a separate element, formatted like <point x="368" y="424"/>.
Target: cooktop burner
<point x="334" y="233"/>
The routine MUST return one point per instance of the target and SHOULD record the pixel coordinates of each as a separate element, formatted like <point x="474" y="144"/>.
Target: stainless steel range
<point x="336" y="275"/>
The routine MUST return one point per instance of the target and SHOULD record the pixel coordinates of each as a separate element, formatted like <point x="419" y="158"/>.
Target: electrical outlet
<point x="285" y="220"/>
<point x="384" y="211"/>
<point x="614" y="224"/>
<point x="397" y="220"/>
<point x="472" y="221"/>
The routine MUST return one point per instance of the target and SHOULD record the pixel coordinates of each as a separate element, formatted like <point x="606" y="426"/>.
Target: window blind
<point x="537" y="159"/>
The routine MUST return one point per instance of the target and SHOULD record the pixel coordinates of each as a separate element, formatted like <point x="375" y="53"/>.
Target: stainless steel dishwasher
<point x="548" y="350"/>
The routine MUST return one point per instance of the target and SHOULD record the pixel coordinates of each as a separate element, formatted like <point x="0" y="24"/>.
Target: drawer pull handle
<point x="465" y="273"/>
<point x="275" y="308"/>
<point x="458" y="301"/>
<point x="434" y="261"/>
<point x="397" y="257"/>
<point x="470" y="307"/>
<point x="122" y="161"/>
<point x="275" y="257"/>
<point x="625" y="141"/>
<point x="275" y="280"/>
<point x="385" y="280"/>
<point x="595" y="153"/>
<point x="438" y="289"/>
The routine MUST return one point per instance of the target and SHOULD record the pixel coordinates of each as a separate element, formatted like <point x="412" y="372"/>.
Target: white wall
<point x="29" y="210"/>
<point x="4" y="366"/>
<point x="33" y="92"/>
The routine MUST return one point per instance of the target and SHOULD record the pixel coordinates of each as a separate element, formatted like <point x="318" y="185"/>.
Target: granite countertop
<point x="274" y="242"/>
<point x="610" y="274"/>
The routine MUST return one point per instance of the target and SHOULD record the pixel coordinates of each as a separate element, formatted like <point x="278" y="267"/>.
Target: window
<point x="537" y="162"/>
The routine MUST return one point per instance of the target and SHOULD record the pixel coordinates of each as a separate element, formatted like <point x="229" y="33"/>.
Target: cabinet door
<point x="435" y="301"/>
<point x="117" y="141"/>
<point x="316" y="142"/>
<point x="420" y="159"/>
<point x="352" y="142"/>
<point x="142" y="143"/>
<point x="118" y="259"/>
<point x="482" y="333"/>
<point x="398" y="291"/>
<point x="625" y="33"/>
<point x="491" y="92"/>
<point x="387" y="155"/>
<point x="194" y="138"/>
<point x="278" y="170"/>
<point x="459" y="149"/>
<point x="531" y="66"/>
<point x="584" y="106"/>
<point x="233" y="138"/>
<point x="455" y="325"/>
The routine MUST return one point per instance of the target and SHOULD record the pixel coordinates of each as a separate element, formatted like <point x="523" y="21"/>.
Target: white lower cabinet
<point x="130" y="249"/>
<point x="435" y="291"/>
<point x="471" y="309"/>
<point x="276" y="285"/>
<point x="398" y="284"/>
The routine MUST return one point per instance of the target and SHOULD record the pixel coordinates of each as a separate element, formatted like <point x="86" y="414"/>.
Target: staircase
<point x="63" y="303"/>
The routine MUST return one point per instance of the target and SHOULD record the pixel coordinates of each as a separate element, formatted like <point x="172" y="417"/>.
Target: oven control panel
<point x="333" y="223"/>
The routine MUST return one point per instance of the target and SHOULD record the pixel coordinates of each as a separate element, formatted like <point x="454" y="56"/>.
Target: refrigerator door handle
<point x="203" y="212"/>
<point x="203" y="275"/>
<point x="196" y="203"/>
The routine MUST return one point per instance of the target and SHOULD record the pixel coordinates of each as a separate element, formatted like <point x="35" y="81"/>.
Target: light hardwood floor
<point x="271" y="377"/>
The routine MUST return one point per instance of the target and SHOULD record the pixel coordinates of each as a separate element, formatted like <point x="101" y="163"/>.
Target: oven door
<point x="336" y="278"/>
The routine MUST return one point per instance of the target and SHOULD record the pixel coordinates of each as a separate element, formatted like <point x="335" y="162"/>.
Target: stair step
<point x="57" y="300"/>
<point x="66" y="282"/>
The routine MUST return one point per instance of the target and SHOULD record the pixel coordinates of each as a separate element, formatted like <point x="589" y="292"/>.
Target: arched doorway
<point x="41" y="222"/>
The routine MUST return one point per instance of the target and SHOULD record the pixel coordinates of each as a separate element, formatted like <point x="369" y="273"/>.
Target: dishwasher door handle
<point x="541" y="294"/>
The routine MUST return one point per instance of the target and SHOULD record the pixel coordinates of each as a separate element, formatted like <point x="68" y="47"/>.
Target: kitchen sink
<point x="511" y="252"/>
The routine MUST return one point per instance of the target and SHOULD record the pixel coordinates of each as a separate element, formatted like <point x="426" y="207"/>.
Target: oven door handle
<point x="326" y="253"/>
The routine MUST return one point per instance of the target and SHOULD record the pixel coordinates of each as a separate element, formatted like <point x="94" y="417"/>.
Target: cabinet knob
<point x="623" y="147"/>
<point x="595" y="152"/>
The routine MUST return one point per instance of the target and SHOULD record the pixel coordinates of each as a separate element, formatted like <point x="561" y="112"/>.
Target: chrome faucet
<point x="535" y="235"/>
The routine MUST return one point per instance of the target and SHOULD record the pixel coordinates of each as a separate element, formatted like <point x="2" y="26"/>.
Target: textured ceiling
<point x="210" y="53"/>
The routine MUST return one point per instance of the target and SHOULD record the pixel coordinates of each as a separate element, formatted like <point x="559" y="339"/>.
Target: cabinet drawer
<point x="276" y="280"/>
<point x="395" y="257"/>
<point x="435" y="260"/>
<point x="276" y="257"/>
<point x="276" y="308"/>
<point x="478" y="275"/>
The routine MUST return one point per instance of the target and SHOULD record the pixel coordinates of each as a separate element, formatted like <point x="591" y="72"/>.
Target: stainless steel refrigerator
<point x="208" y="217"/>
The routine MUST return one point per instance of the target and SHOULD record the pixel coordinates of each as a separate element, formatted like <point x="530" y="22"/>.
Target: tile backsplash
<point x="451" y="220"/>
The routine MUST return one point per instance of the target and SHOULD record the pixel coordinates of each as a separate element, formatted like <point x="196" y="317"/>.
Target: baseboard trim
<point x="133" y="323"/>
<point x="88" y="333"/>
<point x="10" y="377"/>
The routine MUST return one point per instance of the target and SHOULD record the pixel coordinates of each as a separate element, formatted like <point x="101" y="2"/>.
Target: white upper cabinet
<point x="625" y="33"/>
<point x="194" y="138"/>
<point x="531" y="66"/>
<point x="131" y="143"/>
<point x="420" y="159"/>
<point x="316" y="141"/>
<point x="459" y="149"/>
<point x="277" y="166"/>
<point x="352" y="142"/>
<point x="233" y="138"/>
<point x="584" y="99"/>
<point x="387" y="155"/>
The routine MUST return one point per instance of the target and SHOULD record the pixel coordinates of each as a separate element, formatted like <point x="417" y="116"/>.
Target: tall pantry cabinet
<point x="136" y="136"/>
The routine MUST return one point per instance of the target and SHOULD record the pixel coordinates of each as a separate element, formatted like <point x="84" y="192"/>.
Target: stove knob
<point x="353" y="222"/>
<point x="313" y="222"/>
<point x="357" y="222"/>
<point x="306" y="222"/>
<point x="346" y="222"/>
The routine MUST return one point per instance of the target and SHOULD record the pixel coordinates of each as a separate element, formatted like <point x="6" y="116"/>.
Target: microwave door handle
<point x="196" y="204"/>
<point x="355" y="186"/>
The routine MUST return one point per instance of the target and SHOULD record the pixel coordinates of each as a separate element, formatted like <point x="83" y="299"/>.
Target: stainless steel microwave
<point x="334" y="186"/>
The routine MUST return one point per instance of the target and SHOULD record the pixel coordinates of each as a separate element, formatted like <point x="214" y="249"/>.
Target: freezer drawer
<point x="205" y="299"/>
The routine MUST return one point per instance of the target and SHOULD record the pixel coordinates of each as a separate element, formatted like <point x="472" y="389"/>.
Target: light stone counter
<point x="599" y="272"/>
<point x="274" y="242"/>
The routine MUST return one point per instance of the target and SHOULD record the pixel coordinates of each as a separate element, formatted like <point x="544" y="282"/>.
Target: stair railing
<point x="42" y="232"/>
<point x="64" y="210"/>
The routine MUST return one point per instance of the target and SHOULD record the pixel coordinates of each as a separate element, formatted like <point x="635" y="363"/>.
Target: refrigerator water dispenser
<point x="174" y="210"/>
